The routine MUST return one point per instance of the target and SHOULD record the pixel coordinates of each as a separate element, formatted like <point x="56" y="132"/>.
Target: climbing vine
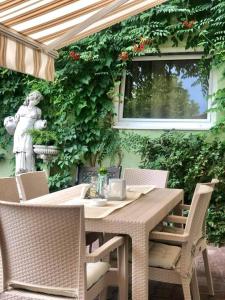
<point x="77" y="105"/>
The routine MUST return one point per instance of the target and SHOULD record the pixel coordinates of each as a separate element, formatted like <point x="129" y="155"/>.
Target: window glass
<point x="165" y="89"/>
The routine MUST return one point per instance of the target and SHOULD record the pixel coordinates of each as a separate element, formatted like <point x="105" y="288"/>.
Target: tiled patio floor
<point x="161" y="291"/>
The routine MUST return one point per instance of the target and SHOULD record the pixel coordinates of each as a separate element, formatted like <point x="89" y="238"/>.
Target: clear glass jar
<point x="93" y="188"/>
<point x="102" y="185"/>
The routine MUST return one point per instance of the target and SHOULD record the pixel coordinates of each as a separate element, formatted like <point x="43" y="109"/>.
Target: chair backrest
<point x="33" y="184"/>
<point x="135" y="176"/>
<point x="85" y="173"/>
<point x="43" y="248"/>
<point x="212" y="184"/>
<point x="198" y="210"/>
<point x="194" y="225"/>
<point x="9" y="190"/>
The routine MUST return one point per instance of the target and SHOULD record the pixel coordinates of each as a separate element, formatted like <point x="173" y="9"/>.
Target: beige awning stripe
<point x="48" y="70"/>
<point x="61" y="32"/>
<point x="65" y="18"/>
<point x="20" y="57"/>
<point x="97" y="15"/>
<point x="18" y="7"/>
<point x="9" y="4"/>
<point x="17" y="56"/>
<point x="32" y="30"/>
<point x="42" y="10"/>
<point x="37" y="63"/>
<point x="96" y="28"/>
<point x="17" y="36"/>
<point x="3" y="46"/>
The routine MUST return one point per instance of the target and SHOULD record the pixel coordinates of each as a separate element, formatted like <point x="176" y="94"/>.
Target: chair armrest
<point x="105" y="249"/>
<point x="184" y="206"/>
<point x="176" y="219"/>
<point x="170" y="237"/>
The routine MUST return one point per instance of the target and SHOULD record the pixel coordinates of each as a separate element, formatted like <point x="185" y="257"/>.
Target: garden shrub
<point x="190" y="158"/>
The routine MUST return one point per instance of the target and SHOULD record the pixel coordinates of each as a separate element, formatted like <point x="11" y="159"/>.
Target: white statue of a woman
<point x="27" y="117"/>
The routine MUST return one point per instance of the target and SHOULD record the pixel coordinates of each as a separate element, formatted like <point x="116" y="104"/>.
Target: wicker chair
<point x="9" y="190"/>
<point x="33" y="184"/>
<point x="43" y="251"/>
<point x="137" y="176"/>
<point x="175" y="263"/>
<point x="201" y="244"/>
<point x="85" y="173"/>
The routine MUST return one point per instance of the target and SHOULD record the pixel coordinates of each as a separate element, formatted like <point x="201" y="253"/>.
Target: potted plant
<point x="44" y="143"/>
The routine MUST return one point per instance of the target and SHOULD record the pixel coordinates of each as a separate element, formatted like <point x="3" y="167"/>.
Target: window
<point x="164" y="93"/>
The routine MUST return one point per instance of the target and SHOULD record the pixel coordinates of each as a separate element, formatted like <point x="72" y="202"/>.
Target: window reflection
<point x="172" y="89"/>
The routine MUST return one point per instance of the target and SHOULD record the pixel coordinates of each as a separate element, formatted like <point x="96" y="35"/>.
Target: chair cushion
<point x="24" y="295"/>
<point x="94" y="272"/>
<point x="163" y="256"/>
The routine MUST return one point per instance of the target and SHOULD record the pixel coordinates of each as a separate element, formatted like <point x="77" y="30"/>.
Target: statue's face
<point x="34" y="98"/>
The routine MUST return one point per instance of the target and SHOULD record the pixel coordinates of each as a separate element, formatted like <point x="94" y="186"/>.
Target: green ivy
<point x="43" y="137"/>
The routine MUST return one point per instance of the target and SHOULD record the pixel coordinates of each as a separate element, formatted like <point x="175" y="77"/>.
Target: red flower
<point x="188" y="24"/>
<point x="74" y="55"/>
<point x="139" y="48"/>
<point x="142" y="46"/>
<point x="124" y="56"/>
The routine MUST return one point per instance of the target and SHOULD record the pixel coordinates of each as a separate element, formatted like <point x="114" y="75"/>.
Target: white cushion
<point x="163" y="256"/>
<point x="94" y="272"/>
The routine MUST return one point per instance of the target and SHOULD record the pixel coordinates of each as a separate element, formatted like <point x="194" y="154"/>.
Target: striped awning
<point x="31" y="31"/>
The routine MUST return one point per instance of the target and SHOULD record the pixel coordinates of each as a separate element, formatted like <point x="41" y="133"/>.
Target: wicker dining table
<point x="135" y="220"/>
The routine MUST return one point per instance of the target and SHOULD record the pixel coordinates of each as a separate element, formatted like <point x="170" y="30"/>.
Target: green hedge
<point x="190" y="158"/>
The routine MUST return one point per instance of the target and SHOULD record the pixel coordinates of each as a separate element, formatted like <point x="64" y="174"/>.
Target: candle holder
<point x="117" y="189"/>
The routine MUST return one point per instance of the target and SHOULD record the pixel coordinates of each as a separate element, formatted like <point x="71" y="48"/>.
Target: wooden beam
<point x="16" y="36"/>
<point x="83" y="25"/>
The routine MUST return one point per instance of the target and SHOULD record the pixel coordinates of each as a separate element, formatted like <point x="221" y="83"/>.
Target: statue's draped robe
<point x="23" y="147"/>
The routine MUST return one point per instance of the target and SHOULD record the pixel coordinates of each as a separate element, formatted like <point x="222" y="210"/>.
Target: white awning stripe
<point x="67" y="17"/>
<point x="108" y="21"/>
<point x="17" y="10"/>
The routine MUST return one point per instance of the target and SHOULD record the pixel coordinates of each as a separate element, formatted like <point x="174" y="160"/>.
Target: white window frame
<point x="178" y="124"/>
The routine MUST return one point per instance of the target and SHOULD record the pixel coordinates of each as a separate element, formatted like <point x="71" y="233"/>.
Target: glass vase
<point x="102" y="185"/>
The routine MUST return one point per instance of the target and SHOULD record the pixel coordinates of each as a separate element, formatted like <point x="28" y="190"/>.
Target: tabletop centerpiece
<point x="102" y="182"/>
